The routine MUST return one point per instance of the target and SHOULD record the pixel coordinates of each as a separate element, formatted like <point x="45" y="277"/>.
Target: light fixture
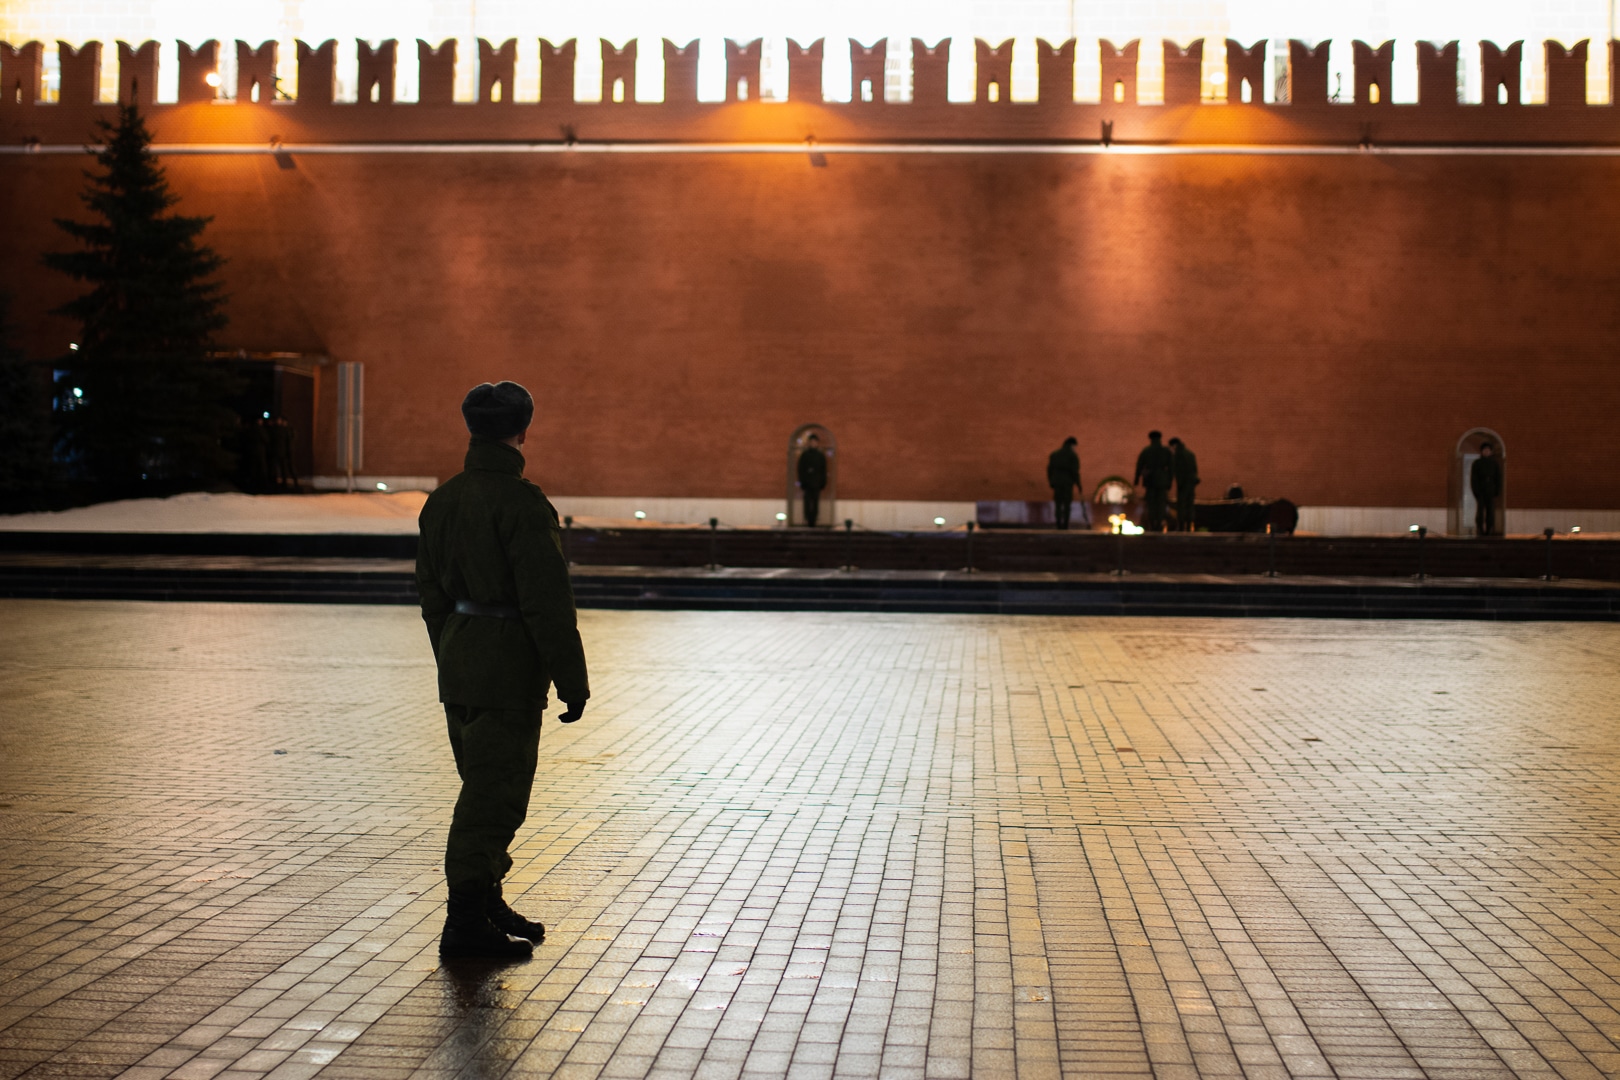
<point x="1217" y="78"/>
<point x="77" y="392"/>
<point x="1574" y="530"/>
<point x="212" y="79"/>
<point x="1411" y="528"/>
<point x="73" y="346"/>
<point x="641" y="515"/>
<point x="381" y="486"/>
<point x="939" y="521"/>
<point x="267" y="416"/>
<point x="781" y="517"/>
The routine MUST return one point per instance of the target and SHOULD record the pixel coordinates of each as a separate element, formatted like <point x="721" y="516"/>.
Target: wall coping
<point x="202" y="117"/>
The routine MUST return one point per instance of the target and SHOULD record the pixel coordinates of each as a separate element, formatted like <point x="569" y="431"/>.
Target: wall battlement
<point x="258" y="109"/>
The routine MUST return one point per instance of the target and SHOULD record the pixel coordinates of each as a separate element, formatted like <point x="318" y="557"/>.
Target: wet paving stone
<point x="818" y="845"/>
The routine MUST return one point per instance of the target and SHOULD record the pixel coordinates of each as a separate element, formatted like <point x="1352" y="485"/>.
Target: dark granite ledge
<point x="389" y="581"/>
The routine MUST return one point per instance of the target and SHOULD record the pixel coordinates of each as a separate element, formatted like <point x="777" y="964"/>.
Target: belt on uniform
<point x="492" y="611"/>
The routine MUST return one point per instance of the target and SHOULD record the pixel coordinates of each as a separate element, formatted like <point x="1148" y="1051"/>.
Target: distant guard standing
<point x="1184" y="464"/>
<point x="1485" y="480"/>
<point x="1063" y="476"/>
<point x="1155" y="468"/>
<point x="812" y="477"/>
<point x="500" y="615"/>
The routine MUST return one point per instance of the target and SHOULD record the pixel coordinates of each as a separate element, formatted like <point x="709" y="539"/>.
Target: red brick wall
<point x="1321" y="328"/>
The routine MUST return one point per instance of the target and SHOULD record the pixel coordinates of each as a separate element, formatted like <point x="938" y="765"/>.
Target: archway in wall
<point x="1460" y="504"/>
<point x="829" y="495"/>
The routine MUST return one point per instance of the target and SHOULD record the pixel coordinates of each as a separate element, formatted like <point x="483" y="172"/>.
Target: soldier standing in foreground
<point x="500" y="614"/>
<point x="812" y="477"/>
<point x="1184" y="463"/>
<point x="1063" y="476"/>
<point x="1155" y="468"/>
<point x="1485" y="480"/>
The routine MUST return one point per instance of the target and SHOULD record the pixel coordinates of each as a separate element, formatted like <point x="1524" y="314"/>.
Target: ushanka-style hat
<point x="497" y="410"/>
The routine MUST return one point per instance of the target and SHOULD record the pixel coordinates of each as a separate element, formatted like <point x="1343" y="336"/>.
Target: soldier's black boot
<point x="469" y="932"/>
<point x="510" y="921"/>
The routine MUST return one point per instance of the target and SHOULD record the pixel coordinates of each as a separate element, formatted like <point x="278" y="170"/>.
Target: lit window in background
<point x="1247" y="21"/>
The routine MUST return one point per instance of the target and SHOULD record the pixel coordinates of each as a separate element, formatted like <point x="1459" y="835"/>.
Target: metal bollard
<point x="970" y="527"/>
<point x="1422" y="531"/>
<point x="1119" y="555"/>
<point x="849" y="546"/>
<point x="1548" y="533"/>
<point x="714" y="539"/>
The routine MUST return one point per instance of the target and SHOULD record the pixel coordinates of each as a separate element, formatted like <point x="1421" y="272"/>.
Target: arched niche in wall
<point x="1460" y="504"/>
<point x="797" y="444"/>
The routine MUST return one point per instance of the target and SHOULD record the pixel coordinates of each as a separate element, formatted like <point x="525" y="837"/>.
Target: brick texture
<point x="1316" y="328"/>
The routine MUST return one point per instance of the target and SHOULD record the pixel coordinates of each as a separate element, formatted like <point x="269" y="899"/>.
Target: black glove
<point x="572" y="712"/>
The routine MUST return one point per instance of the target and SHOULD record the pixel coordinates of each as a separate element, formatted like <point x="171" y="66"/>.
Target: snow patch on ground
<point x="379" y="513"/>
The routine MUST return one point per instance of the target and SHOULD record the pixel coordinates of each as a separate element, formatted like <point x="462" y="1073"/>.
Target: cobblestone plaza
<point x="818" y="845"/>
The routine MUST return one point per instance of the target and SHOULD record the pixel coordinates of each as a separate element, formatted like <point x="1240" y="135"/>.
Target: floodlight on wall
<point x="381" y="486"/>
<point x="781" y="517"/>
<point x="641" y="515"/>
<point x="939" y="521"/>
<point x="73" y="346"/>
<point x="212" y="79"/>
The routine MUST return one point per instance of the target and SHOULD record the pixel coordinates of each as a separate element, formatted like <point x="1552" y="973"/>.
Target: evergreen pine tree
<point x="141" y="404"/>
<point x="25" y="418"/>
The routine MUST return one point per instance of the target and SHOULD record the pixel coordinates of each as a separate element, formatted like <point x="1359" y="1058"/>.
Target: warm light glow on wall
<point x="254" y="21"/>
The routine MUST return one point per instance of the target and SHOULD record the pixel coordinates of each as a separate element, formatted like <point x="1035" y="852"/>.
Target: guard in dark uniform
<point x="812" y="477"/>
<point x="1155" y="469"/>
<point x="282" y="472"/>
<point x="1063" y="476"/>
<point x="500" y="614"/>
<point x="1184" y="464"/>
<point x="1485" y="480"/>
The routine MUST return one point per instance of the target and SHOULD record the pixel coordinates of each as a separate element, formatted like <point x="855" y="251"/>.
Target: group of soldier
<point x="1159" y="468"/>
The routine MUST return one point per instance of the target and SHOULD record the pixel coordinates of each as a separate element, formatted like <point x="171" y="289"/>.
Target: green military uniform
<point x="1485" y="480"/>
<point x="1155" y="468"/>
<point x="1185" y="467"/>
<point x="1063" y="476"/>
<point x="490" y="541"/>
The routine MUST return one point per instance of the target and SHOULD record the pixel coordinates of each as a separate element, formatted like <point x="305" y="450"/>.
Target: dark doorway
<point x="275" y="442"/>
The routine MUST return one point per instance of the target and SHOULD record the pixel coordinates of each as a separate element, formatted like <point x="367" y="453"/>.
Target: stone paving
<point x="818" y="845"/>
